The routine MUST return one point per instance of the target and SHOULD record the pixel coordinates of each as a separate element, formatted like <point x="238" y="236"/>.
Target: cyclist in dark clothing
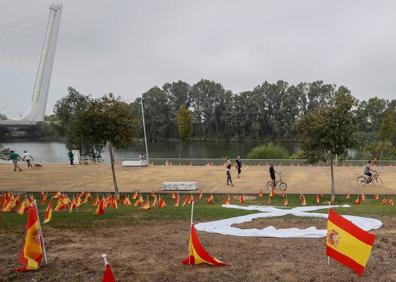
<point x="238" y="165"/>
<point x="272" y="174"/>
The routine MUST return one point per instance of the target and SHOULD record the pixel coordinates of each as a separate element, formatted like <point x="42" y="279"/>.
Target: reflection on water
<point x="55" y="152"/>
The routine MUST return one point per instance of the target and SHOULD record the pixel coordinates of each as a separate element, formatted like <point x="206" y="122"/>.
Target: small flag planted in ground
<point x="317" y="199"/>
<point x="161" y="203"/>
<point x="100" y="207"/>
<point x="391" y="202"/>
<point x="211" y="200"/>
<point x="242" y="199"/>
<point x="303" y="202"/>
<point x="196" y="252"/>
<point x="177" y="199"/>
<point x="32" y="251"/>
<point x="108" y="275"/>
<point x="23" y="207"/>
<point x="139" y="201"/>
<point x="260" y="193"/>
<point x="286" y="201"/>
<point x="347" y="243"/>
<point x="348" y="196"/>
<point x="357" y="201"/>
<point x="146" y="204"/>
<point x="48" y="212"/>
<point x="228" y="200"/>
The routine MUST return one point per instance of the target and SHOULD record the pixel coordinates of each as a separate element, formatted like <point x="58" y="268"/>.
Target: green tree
<point x="268" y="151"/>
<point x="184" y="126"/>
<point x="3" y="117"/>
<point x="387" y="129"/>
<point x="109" y="120"/>
<point x="327" y="132"/>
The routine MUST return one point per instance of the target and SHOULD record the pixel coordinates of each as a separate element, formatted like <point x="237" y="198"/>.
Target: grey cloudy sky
<point x="126" y="47"/>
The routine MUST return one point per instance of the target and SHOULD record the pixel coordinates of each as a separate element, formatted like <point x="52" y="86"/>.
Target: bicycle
<point x="375" y="179"/>
<point x="278" y="183"/>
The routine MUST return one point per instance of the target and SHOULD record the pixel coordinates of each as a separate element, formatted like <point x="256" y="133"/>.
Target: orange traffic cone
<point x="260" y="193"/>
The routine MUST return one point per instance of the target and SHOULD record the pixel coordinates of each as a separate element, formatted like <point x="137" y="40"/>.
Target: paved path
<point x="306" y="179"/>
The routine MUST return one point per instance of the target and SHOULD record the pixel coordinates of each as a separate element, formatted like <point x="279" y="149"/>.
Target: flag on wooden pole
<point x="347" y="243"/>
<point x="196" y="252"/>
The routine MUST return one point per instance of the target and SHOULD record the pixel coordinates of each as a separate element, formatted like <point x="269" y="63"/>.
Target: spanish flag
<point x="100" y="207"/>
<point x="48" y="212"/>
<point x="32" y="250"/>
<point x="197" y="254"/>
<point x="347" y="243"/>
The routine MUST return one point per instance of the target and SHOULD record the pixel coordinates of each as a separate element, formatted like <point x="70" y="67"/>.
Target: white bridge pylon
<point x="40" y="92"/>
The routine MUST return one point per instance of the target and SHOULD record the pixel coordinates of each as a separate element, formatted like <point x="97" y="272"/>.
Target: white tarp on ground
<point x="225" y="227"/>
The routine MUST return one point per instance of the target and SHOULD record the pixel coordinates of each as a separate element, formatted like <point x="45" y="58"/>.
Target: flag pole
<point x="191" y="224"/>
<point x="104" y="256"/>
<point x="328" y="258"/>
<point x="41" y="233"/>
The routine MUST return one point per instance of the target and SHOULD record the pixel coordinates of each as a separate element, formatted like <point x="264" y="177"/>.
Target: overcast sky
<point x="126" y="47"/>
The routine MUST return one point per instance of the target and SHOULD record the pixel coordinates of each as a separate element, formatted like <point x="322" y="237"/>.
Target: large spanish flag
<point x="197" y="254"/>
<point x="32" y="250"/>
<point x="347" y="243"/>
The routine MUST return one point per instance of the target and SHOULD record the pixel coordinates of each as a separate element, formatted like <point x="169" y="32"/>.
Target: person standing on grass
<point x="228" y="171"/>
<point x="70" y="155"/>
<point x="238" y="165"/>
<point x="27" y="157"/>
<point x="14" y="157"/>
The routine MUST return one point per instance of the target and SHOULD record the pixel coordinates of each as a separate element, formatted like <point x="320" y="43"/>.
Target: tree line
<point x="266" y="113"/>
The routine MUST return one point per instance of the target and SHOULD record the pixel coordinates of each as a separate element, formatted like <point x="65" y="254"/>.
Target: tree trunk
<point x="112" y="168"/>
<point x="332" y="199"/>
<point x="180" y="148"/>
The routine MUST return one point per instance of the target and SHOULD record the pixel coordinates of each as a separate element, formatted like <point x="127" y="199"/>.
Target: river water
<point x="55" y="152"/>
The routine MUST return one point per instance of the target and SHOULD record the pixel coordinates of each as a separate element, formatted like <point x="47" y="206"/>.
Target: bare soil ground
<point x="211" y="179"/>
<point x="152" y="251"/>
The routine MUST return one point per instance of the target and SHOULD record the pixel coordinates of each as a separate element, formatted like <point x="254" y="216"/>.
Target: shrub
<point x="268" y="151"/>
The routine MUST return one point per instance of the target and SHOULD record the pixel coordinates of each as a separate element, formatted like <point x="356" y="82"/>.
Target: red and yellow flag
<point x="100" y="207"/>
<point x="196" y="252"/>
<point x="23" y="207"/>
<point x="48" y="212"/>
<point x="348" y="243"/>
<point x="32" y="251"/>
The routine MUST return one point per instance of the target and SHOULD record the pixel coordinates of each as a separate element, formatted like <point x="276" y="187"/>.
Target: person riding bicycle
<point x="272" y="174"/>
<point x="368" y="170"/>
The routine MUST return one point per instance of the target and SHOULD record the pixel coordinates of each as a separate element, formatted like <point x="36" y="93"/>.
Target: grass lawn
<point x="131" y="215"/>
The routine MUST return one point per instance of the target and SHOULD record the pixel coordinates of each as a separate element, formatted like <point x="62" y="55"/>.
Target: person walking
<point x="14" y="157"/>
<point x="70" y="155"/>
<point x="238" y="165"/>
<point x="228" y="171"/>
<point x="27" y="157"/>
